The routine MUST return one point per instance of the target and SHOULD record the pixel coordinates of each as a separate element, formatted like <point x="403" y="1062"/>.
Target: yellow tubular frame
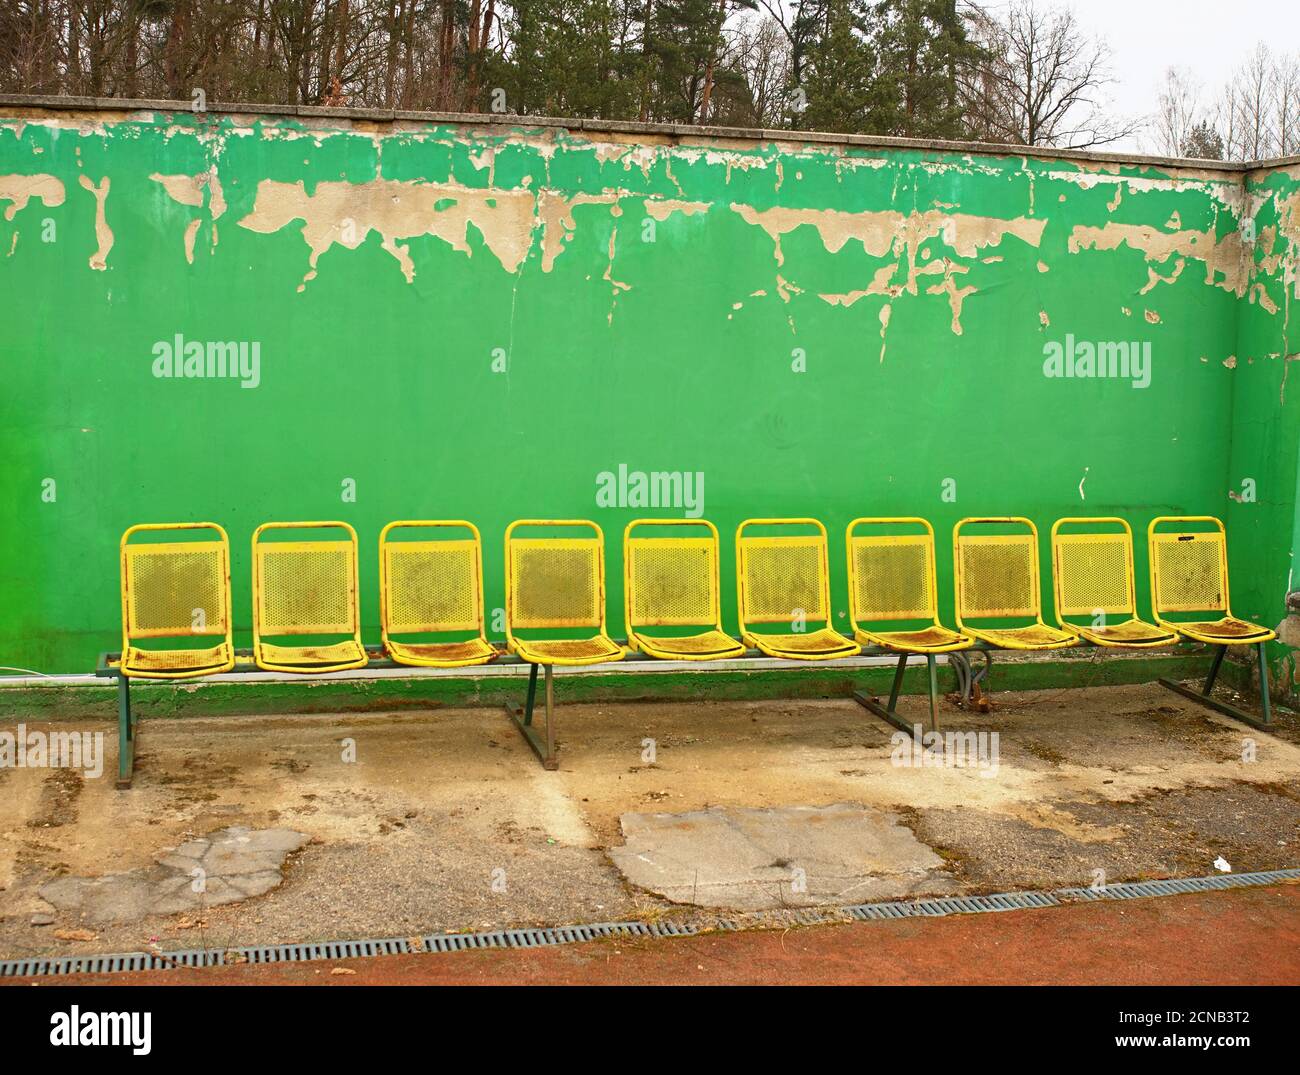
<point x="752" y="640"/>
<point x="228" y="638"/>
<point x="511" y="644"/>
<point x="965" y="643"/>
<point x="478" y="564"/>
<point x="1265" y="634"/>
<point x="1131" y="610"/>
<point x="1017" y="520"/>
<point x="306" y="669"/>
<point x="633" y="639"/>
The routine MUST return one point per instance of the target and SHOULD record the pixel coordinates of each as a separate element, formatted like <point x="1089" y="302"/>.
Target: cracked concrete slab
<point x="754" y="859"/>
<point x="227" y="866"/>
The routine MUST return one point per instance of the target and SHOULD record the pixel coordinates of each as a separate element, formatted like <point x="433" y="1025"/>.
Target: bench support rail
<point x="1203" y="696"/>
<point x="890" y="713"/>
<point x="522" y="718"/>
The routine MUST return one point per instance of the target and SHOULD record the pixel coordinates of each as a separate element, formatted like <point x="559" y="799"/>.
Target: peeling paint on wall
<point x="423" y="291"/>
<point x="1225" y="259"/>
<point x="103" y="233"/>
<point x="18" y="190"/>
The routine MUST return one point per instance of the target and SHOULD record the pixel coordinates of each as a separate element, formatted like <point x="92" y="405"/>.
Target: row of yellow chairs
<point x="555" y="583"/>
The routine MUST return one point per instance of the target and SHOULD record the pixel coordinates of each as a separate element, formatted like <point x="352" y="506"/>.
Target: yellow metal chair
<point x="1189" y="575"/>
<point x="433" y="587"/>
<point x="557" y="583"/>
<point x="554" y="584"/>
<point x="174" y="590"/>
<point x="673" y="582"/>
<point x="997" y="579"/>
<point x="892" y="581"/>
<point x="1092" y="575"/>
<point x="786" y="579"/>
<point x="306" y="588"/>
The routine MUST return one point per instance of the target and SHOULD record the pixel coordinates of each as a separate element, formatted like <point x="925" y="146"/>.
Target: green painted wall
<point x="820" y="330"/>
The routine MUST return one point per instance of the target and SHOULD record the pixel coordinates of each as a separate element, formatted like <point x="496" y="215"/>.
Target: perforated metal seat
<point x="892" y="578"/>
<point x="673" y="582"/>
<point x="786" y="579"/>
<point x="311" y="658"/>
<point x="175" y="590"/>
<point x="1189" y="574"/>
<point x="557" y="583"/>
<point x="442" y="654"/>
<point x="433" y="587"/>
<point x="306" y="588"/>
<point x="569" y="650"/>
<point x="997" y="579"/>
<point x="1092" y="575"/>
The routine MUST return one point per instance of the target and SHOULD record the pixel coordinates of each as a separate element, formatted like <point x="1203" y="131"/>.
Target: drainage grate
<point x="543" y="938"/>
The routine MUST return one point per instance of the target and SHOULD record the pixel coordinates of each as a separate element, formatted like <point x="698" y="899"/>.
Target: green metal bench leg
<point x="934" y="691"/>
<point x="126" y="733"/>
<point x="1263" y="685"/>
<point x="890" y="714"/>
<point x="1220" y="653"/>
<point x="897" y="684"/>
<point x="1203" y="696"/>
<point x="523" y="720"/>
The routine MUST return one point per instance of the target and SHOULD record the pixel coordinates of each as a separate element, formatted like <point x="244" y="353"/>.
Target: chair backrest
<point x="891" y="575"/>
<point x="305" y="587"/>
<point x="1189" y="568"/>
<point x="432" y="585"/>
<point x="554" y="582"/>
<point x="996" y="574"/>
<point x="1092" y="569"/>
<point x="781" y="577"/>
<point x="172" y="589"/>
<point x="670" y="581"/>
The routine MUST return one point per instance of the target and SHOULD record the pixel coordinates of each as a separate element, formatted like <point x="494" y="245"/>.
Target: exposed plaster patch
<point x="1154" y="277"/>
<point x="662" y="210"/>
<point x="191" y="233"/>
<point x="181" y="188"/>
<point x="558" y="225"/>
<point x="345" y="213"/>
<point x="1225" y="260"/>
<point x="189" y="190"/>
<point x="103" y="234"/>
<point x="888" y="232"/>
<point x="1259" y="293"/>
<point x="18" y="190"/>
<point x="884" y="231"/>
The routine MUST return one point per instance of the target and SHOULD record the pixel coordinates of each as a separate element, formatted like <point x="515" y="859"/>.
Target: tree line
<point x="1020" y="72"/>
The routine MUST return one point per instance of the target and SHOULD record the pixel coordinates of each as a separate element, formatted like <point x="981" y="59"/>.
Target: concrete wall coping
<point x="674" y="131"/>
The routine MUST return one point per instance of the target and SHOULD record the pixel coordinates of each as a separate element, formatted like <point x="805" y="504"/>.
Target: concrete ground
<point x="445" y="820"/>
<point x="1237" y="937"/>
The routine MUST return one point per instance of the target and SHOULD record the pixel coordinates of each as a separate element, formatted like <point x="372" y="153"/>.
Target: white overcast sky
<point x="1211" y="38"/>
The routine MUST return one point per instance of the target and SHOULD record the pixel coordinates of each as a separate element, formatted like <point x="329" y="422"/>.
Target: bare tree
<point x="1247" y="107"/>
<point x="1040" y="81"/>
<point x="761" y="56"/>
<point x="1177" y="111"/>
<point x="1286" y="105"/>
